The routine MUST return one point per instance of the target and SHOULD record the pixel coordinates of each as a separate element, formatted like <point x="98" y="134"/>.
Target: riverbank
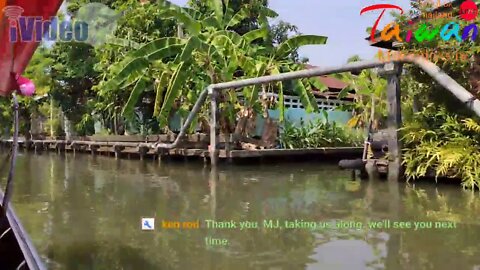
<point x="194" y="147"/>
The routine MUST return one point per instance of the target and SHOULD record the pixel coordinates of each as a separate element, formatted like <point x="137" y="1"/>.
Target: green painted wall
<point x="292" y="115"/>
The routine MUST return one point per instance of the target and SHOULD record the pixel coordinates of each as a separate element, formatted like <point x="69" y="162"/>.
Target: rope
<point x="9" y="186"/>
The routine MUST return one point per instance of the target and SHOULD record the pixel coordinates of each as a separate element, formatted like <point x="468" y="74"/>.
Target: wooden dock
<point x="194" y="147"/>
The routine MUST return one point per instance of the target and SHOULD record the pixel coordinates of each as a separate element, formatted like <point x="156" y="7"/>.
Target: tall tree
<point x="79" y="66"/>
<point x="141" y="23"/>
<point x="258" y="12"/>
<point x="179" y="68"/>
<point x="255" y="9"/>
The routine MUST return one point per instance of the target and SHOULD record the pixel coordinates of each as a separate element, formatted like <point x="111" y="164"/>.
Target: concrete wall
<point x="294" y="112"/>
<point x="293" y="115"/>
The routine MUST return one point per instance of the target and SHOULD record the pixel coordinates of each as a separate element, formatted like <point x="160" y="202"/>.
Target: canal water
<point x="85" y="212"/>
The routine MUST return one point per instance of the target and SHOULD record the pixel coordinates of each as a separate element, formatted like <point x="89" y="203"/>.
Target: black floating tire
<point x="352" y="164"/>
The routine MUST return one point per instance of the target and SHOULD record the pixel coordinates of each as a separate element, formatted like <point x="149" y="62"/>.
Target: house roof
<point x="334" y="86"/>
<point x="329" y="81"/>
<point x="332" y="83"/>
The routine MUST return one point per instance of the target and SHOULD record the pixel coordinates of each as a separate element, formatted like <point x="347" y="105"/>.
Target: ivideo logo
<point x="92" y="24"/>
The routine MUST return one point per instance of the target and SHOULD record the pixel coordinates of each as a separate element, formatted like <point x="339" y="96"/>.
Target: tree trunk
<point x="115" y="126"/>
<point x="51" y="118"/>
<point x="246" y="122"/>
<point x="270" y="133"/>
<point x="68" y="128"/>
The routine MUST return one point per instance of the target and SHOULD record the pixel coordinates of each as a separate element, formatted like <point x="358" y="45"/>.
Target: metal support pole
<point x="213" y="126"/>
<point x="393" y="72"/>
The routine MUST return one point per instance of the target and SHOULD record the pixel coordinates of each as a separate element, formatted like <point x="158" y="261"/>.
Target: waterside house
<point x="327" y="102"/>
<point x="295" y="113"/>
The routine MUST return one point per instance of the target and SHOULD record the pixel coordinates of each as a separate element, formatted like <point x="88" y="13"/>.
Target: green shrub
<point x="56" y="125"/>
<point x="319" y="134"/>
<point x="441" y="143"/>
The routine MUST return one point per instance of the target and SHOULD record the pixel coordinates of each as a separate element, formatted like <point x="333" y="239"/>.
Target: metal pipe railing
<point x="430" y="68"/>
<point x="196" y="108"/>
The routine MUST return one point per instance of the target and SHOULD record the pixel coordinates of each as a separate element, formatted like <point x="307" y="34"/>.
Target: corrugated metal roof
<point x="334" y="86"/>
<point x="329" y="81"/>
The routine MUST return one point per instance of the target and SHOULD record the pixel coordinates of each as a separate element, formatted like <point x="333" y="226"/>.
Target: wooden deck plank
<point x="133" y="148"/>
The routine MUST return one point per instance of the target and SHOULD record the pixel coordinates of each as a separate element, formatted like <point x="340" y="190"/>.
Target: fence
<point x="294" y="102"/>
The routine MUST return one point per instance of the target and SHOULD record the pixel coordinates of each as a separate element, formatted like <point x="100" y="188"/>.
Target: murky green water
<point x="84" y="213"/>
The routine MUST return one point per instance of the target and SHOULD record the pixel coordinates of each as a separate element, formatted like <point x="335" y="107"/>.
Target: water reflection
<point x="84" y="212"/>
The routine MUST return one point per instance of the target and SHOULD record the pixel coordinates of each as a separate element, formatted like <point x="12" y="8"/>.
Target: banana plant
<point x="370" y="97"/>
<point x="178" y="68"/>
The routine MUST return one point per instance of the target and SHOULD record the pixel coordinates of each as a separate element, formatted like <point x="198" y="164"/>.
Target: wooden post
<point x="51" y="117"/>
<point x="38" y="146"/>
<point x="28" y="145"/>
<point x="59" y="146"/>
<point x="393" y="72"/>
<point x="182" y="98"/>
<point x="160" y="153"/>
<point x="228" y="146"/>
<point x="213" y="127"/>
<point x="142" y="151"/>
<point x="73" y="146"/>
<point x="93" y="149"/>
<point x="118" y="150"/>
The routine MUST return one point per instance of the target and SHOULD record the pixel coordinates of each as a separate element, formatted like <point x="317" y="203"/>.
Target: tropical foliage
<point x="207" y="51"/>
<point x="141" y="23"/>
<point x="369" y="96"/>
<point x="319" y="133"/>
<point x="442" y="144"/>
<point x="159" y="59"/>
<point x="178" y="68"/>
<point x="439" y="140"/>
